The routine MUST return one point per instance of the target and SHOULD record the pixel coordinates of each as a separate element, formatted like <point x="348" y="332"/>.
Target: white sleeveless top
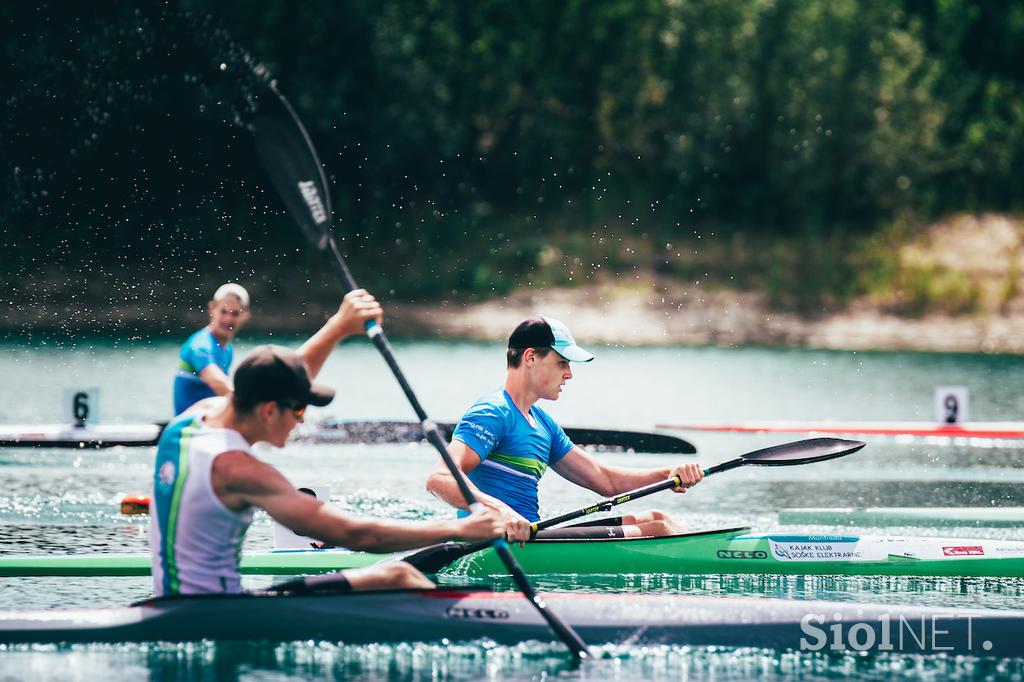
<point x="195" y="540"/>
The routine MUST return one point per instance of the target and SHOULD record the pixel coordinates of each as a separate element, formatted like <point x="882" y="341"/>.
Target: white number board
<point x="951" y="405"/>
<point x="81" y="406"/>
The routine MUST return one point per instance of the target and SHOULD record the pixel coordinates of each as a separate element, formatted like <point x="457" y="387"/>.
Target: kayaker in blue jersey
<point x="208" y="482"/>
<point x="205" y="360"/>
<point x="505" y="443"/>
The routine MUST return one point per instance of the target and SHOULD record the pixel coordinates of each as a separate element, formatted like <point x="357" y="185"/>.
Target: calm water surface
<point x="66" y="501"/>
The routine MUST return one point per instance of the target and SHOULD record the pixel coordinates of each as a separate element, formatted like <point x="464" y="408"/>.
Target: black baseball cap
<point x="278" y="373"/>
<point x="547" y="332"/>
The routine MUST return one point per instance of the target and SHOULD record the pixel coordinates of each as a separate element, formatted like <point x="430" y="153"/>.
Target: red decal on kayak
<point x="967" y="550"/>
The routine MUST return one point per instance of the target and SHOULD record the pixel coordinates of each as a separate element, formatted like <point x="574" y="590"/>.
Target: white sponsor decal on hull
<point x="816" y="551"/>
<point x="871" y="548"/>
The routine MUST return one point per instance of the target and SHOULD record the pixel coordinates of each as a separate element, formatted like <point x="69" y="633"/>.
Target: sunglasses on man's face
<point x="298" y="410"/>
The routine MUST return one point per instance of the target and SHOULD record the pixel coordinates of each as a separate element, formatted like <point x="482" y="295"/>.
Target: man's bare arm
<point x="241" y="480"/>
<point x="582" y="469"/>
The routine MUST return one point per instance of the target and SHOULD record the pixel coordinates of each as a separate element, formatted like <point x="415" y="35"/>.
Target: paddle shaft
<point x="326" y="245"/>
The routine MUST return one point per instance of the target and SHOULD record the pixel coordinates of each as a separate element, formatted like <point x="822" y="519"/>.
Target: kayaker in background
<point x="205" y="359"/>
<point x="208" y="482"/>
<point x="505" y="443"/>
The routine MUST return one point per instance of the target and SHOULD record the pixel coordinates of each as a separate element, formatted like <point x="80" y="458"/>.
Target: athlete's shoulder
<point x="201" y="340"/>
<point x="491" y="404"/>
<point x="206" y="406"/>
<point x="239" y="472"/>
<point x="179" y="424"/>
<point x="485" y="423"/>
<point x="217" y="440"/>
<point x="201" y="335"/>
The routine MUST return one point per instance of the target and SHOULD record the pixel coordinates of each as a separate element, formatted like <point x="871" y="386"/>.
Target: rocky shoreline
<point x="695" y="318"/>
<point x="982" y="253"/>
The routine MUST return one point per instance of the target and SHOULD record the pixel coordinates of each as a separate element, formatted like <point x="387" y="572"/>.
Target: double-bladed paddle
<point x="433" y="559"/>
<point x="291" y="161"/>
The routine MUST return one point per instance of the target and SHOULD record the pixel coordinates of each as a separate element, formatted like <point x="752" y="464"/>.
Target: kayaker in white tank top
<point x="195" y="539"/>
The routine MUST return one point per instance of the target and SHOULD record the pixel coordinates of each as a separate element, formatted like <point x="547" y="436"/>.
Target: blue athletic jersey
<point x="200" y="351"/>
<point x="514" y="454"/>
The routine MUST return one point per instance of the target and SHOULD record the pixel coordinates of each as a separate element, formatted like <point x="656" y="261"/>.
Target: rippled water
<point x="66" y="501"/>
<point x="528" y="661"/>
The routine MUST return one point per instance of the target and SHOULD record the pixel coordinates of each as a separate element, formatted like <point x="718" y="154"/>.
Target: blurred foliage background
<point x="781" y="145"/>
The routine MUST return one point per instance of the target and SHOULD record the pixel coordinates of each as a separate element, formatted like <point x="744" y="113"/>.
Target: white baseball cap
<point x="232" y="290"/>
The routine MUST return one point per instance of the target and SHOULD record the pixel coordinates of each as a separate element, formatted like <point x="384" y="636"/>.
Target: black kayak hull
<point x="506" y="617"/>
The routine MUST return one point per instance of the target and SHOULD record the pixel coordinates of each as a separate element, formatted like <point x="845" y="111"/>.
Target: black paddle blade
<point x="802" y="452"/>
<point x="437" y="557"/>
<point x="631" y="440"/>
<point x="288" y="155"/>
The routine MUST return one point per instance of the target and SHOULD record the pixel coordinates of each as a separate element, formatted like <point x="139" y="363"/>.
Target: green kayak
<point x="728" y="551"/>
